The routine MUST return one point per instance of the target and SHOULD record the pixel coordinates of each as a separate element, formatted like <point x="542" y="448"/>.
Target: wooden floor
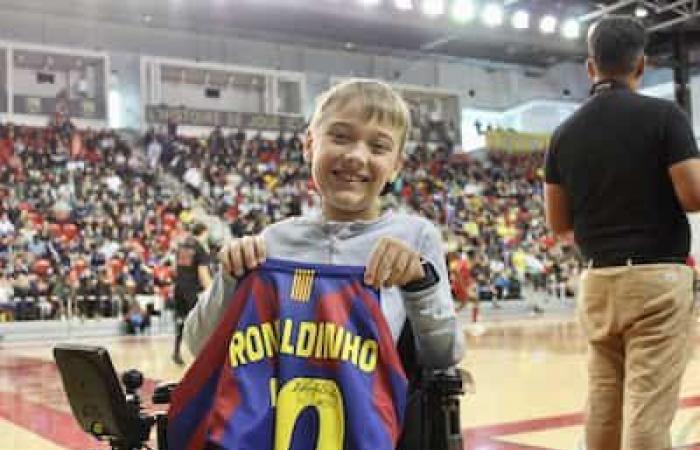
<point x="529" y="373"/>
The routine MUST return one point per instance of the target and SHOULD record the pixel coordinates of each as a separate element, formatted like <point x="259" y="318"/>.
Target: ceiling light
<point x="571" y="29"/>
<point x="641" y="12"/>
<point x="548" y="24"/>
<point x="433" y="7"/>
<point x="403" y="5"/>
<point x="369" y="3"/>
<point x="492" y="15"/>
<point x="463" y="10"/>
<point x="521" y="20"/>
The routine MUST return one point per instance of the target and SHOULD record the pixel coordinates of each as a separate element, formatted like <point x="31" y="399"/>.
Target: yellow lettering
<point x="318" y="354"/>
<point x="368" y="355"/>
<point x="306" y="338"/>
<point x="270" y="339"/>
<point x="286" y="344"/>
<point x="254" y="344"/>
<point x="351" y="347"/>
<point x="324" y="340"/>
<point x="236" y="348"/>
<point x="273" y="392"/>
<point x="333" y="341"/>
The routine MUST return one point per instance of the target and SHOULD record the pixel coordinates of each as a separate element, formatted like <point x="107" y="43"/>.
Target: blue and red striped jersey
<point x="302" y="359"/>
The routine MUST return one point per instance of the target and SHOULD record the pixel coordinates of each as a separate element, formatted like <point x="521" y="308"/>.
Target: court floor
<point x="529" y="375"/>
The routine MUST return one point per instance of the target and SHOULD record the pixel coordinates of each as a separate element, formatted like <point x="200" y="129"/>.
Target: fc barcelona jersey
<point x="302" y="359"/>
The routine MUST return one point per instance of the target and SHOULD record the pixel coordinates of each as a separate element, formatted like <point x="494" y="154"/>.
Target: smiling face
<point x="351" y="161"/>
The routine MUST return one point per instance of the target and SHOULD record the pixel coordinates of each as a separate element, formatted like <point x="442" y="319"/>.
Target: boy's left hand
<point x="393" y="263"/>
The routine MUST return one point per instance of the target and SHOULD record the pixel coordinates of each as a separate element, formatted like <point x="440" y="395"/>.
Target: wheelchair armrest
<point x="448" y="382"/>
<point x="161" y="394"/>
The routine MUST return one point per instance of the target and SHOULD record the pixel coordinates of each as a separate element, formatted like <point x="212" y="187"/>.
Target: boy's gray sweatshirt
<point x="312" y="239"/>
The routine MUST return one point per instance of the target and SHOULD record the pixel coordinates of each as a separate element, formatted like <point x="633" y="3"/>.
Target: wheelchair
<point x="109" y="413"/>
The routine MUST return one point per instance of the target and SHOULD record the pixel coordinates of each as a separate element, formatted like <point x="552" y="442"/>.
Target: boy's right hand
<point x="242" y="254"/>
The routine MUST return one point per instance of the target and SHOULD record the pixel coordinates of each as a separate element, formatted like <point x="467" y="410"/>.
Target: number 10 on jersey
<point x="298" y="394"/>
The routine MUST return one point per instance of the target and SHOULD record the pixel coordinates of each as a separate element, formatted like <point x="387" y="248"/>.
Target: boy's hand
<point x="242" y="254"/>
<point x="393" y="263"/>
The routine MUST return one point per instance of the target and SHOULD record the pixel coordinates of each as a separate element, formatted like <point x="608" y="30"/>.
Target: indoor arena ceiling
<point x="411" y="26"/>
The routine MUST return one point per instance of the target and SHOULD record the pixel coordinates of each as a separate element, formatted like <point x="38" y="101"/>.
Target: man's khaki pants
<point x="638" y="322"/>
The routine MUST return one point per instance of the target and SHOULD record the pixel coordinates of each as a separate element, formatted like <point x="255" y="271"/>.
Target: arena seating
<point x="84" y="215"/>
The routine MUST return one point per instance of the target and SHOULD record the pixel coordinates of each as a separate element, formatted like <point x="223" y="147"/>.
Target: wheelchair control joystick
<point x="132" y="380"/>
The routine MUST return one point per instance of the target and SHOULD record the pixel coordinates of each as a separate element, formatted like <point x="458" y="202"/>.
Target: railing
<point x="42" y="307"/>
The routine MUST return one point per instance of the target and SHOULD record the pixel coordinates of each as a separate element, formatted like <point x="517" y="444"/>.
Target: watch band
<point x="430" y="279"/>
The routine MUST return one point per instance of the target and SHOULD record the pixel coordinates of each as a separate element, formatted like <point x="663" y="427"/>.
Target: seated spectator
<point x="136" y="320"/>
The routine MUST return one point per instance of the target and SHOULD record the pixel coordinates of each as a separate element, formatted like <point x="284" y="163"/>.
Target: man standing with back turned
<point x="620" y="173"/>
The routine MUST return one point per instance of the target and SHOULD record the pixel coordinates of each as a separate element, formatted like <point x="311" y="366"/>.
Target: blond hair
<point x="379" y="102"/>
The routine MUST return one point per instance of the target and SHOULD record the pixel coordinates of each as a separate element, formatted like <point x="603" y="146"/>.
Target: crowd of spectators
<point x="494" y="216"/>
<point x="81" y="217"/>
<point x="248" y="181"/>
<point x="82" y="214"/>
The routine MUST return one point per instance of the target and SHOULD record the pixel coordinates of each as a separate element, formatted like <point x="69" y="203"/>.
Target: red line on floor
<point x="529" y="425"/>
<point x="56" y="426"/>
<point x="485" y="437"/>
<point x="690" y="402"/>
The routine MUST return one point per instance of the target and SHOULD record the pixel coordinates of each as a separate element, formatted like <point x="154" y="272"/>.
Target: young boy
<point x="317" y="357"/>
<point x="355" y="146"/>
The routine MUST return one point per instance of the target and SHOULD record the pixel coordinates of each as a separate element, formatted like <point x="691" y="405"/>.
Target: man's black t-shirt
<point x="612" y="158"/>
<point x="190" y="256"/>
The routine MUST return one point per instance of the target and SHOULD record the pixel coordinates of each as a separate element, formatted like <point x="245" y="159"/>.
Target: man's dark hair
<point x="198" y="229"/>
<point x="616" y="43"/>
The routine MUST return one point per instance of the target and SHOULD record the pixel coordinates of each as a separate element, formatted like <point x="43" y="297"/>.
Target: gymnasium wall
<point x="480" y="84"/>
